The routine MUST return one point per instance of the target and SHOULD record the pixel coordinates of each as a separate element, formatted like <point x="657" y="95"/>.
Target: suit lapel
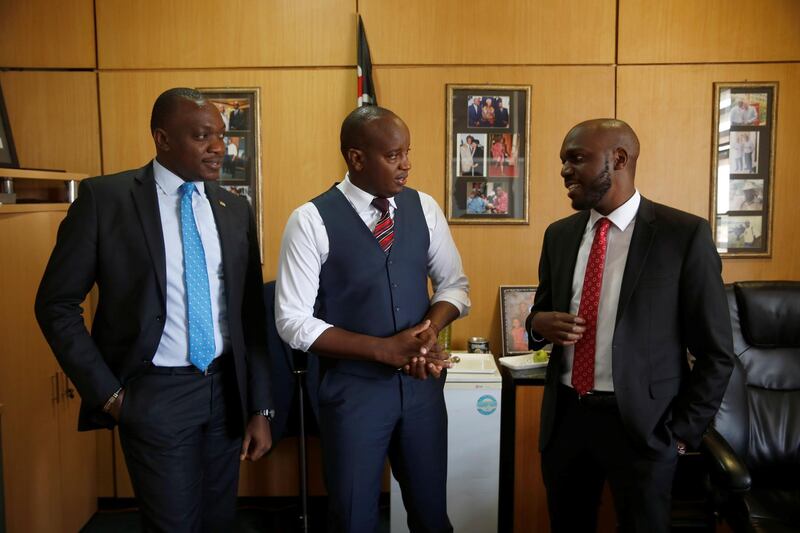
<point x="146" y="200"/>
<point x="226" y="227"/>
<point x="641" y="240"/>
<point x="566" y="270"/>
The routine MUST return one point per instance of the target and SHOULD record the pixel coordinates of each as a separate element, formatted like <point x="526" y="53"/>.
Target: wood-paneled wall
<point x="652" y="64"/>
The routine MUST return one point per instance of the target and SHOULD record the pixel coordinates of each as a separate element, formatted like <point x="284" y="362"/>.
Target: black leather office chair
<point x="754" y="443"/>
<point x="290" y="371"/>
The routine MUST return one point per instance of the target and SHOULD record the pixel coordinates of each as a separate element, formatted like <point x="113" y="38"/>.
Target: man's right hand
<point x="116" y="406"/>
<point x="559" y="328"/>
<point x="401" y="348"/>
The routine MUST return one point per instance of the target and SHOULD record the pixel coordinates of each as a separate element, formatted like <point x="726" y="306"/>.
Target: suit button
<point x="389" y="262"/>
<point x="159" y="318"/>
<point x="396" y="308"/>
<point x="394" y="285"/>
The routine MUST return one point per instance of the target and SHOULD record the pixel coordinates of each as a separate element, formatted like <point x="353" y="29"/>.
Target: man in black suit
<point x="238" y="118"/>
<point x="177" y="355"/>
<point x="626" y="286"/>
<point x="474" y="112"/>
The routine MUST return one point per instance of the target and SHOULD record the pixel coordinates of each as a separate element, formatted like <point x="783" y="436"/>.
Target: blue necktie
<point x="195" y="278"/>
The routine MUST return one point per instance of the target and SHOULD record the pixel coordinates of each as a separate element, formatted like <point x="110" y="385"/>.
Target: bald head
<point x="612" y="133"/>
<point x="356" y="125"/>
<point x="599" y="164"/>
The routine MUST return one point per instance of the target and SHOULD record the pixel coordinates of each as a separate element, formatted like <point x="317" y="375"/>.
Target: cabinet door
<point x="78" y="457"/>
<point x="28" y="384"/>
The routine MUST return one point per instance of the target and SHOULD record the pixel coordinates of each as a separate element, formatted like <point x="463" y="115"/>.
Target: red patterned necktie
<point x="583" y="362"/>
<point x="384" y="229"/>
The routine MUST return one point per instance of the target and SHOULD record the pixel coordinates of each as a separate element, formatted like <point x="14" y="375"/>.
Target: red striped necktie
<point x="583" y="362"/>
<point x="384" y="229"/>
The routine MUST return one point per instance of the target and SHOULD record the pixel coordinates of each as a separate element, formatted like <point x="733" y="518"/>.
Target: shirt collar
<point x="360" y="199"/>
<point x="168" y="182"/>
<point x="622" y="216"/>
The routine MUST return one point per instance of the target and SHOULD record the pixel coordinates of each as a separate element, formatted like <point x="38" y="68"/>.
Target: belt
<point x="599" y="399"/>
<point x="216" y="365"/>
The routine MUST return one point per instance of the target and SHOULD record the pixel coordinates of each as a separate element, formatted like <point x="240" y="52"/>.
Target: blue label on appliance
<point x="487" y="404"/>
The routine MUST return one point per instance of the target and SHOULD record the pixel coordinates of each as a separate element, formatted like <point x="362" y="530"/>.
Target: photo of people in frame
<point x="471" y="154"/>
<point x="487" y="198"/>
<point x="234" y="162"/>
<point x="504" y="152"/>
<point x="739" y="232"/>
<point x="748" y="109"/>
<point x="488" y="111"/>
<point x="746" y="195"/>
<point x="515" y="305"/>
<point x="743" y="153"/>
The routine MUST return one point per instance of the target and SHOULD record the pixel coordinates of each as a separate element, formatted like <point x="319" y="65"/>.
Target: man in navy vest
<point x="352" y="288"/>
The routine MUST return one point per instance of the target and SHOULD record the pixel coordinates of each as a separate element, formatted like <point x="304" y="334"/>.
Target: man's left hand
<point x="257" y="439"/>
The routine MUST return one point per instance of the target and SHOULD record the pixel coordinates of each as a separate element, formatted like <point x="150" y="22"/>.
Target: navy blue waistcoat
<point x="364" y="290"/>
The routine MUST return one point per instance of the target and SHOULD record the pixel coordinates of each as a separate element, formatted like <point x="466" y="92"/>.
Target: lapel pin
<point x="222" y="203"/>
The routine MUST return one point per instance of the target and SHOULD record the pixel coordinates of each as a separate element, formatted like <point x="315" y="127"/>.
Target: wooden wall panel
<point x="498" y="255"/>
<point x="452" y="32"/>
<point x="670" y="108"/>
<point x="236" y="33"/>
<point x="54" y="119"/>
<point x="300" y="118"/>
<point x="47" y="34"/>
<point x="712" y="31"/>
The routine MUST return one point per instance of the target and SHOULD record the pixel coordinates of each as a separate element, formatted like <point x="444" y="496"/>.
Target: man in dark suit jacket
<point x="474" y="112"/>
<point x="621" y="400"/>
<point x="238" y="118"/>
<point x="177" y="355"/>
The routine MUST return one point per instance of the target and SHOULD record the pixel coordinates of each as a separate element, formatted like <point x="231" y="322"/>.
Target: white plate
<point x="521" y="362"/>
<point x="473" y="363"/>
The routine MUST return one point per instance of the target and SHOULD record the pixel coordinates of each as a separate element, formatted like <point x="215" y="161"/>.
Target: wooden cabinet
<point x="49" y="468"/>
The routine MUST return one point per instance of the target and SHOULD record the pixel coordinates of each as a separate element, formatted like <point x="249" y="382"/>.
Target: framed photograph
<point x="8" y="154"/>
<point x="488" y="129"/>
<point x="743" y="162"/>
<point x="515" y="306"/>
<point x="241" y="164"/>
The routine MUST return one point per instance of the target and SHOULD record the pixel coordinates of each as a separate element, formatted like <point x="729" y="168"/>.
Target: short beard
<point x="596" y="191"/>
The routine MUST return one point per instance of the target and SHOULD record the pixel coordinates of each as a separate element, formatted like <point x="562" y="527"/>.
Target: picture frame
<point x="742" y="168"/>
<point x="488" y="153"/>
<point x="8" y="152"/>
<point x="516" y="302"/>
<point x="240" y="108"/>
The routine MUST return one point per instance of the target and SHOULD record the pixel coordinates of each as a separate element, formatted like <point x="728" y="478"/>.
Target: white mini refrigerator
<point x="472" y="395"/>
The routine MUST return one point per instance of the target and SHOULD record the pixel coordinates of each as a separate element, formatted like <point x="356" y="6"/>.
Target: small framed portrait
<point x="740" y="232"/>
<point x="516" y="302"/>
<point x="487" y="150"/>
<point x="743" y="167"/>
<point x="746" y="195"/>
<point x="241" y="163"/>
<point x="471" y="154"/>
<point x="8" y="153"/>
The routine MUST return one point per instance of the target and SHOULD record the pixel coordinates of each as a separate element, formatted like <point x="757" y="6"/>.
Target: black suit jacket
<point x="112" y="237"/>
<point x="672" y="298"/>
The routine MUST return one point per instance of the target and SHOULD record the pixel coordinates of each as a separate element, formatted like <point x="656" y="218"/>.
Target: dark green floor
<point x="273" y="515"/>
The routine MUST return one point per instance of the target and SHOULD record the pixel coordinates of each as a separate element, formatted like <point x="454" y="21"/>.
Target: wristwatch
<point x="269" y="414"/>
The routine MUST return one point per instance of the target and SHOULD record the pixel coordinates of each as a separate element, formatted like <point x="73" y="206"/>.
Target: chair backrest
<point x="760" y="414"/>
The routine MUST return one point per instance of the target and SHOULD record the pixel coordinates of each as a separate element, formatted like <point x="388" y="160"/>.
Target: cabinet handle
<point x="54" y="389"/>
<point x="69" y="392"/>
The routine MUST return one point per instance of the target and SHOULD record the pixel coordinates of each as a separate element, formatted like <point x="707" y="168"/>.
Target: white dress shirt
<point x="622" y="220"/>
<point x="305" y="247"/>
<point x="173" y="349"/>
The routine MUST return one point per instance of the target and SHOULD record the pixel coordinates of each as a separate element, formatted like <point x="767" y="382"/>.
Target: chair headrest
<point x="769" y="312"/>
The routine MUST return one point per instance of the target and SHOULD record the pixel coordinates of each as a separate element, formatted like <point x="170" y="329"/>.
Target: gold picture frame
<point x="743" y="168"/>
<point x="488" y="154"/>
<point x="240" y="108"/>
